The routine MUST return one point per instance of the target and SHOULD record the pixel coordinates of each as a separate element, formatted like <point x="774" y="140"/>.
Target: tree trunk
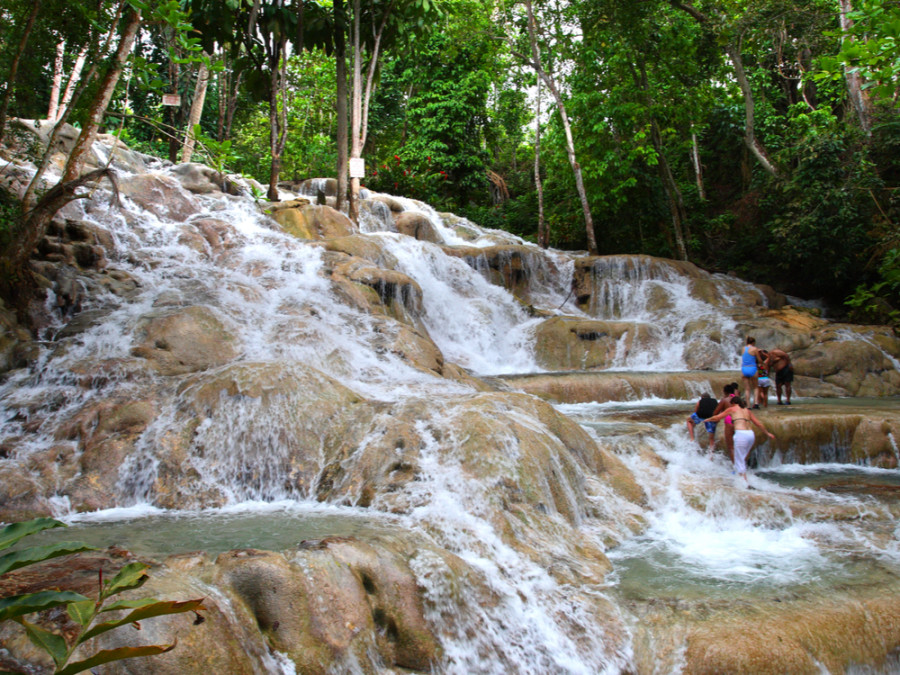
<point x="232" y="104"/>
<point x="698" y="167"/>
<point x="221" y="98"/>
<point x="98" y="108"/>
<point x="543" y="234"/>
<point x="74" y="89"/>
<point x="673" y="194"/>
<point x="564" y="118"/>
<point x="340" y="55"/>
<point x="277" y="117"/>
<point x="197" y="102"/>
<point x="74" y="79"/>
<point x="14" y="67"/>
<point x="859" y="98"/>
<point x="53" y="107"/>
<point x="356" y="112"/>
<point x="734" y="53"/>
<point x="755" y="147"/>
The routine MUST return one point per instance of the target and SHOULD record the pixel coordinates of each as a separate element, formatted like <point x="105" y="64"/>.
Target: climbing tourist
<point x="704" y="409"/>
<point x="780" y="362"/>
<point x="725" y="402"/>
<point x="749" y="363"/>
<point x="743" y="434"/>
<point x="763" y="382"/>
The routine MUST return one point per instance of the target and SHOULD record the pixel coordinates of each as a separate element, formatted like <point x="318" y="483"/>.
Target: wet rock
<point x="311" y="221"/>
<point x="203" y="180"/>
<point x="368" y="248"/>
<point x="850" y="358"/>
<point x="185" y="340"/>
<point x="387" y="200"/>
<point x="396" y="293"/>
<point x="417" y="226"/>
<point x="517" y="268"/>
<point x="260" y="428"/>
<point x="568" y="343"/>
<point x="161" y="195"/>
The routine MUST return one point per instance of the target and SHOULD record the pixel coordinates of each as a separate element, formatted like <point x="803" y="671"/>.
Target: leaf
<point x="161" y="608"/>
<point x="110" y="655"/>
<point x="128" y="604"/>
<point x="19" y="605"/>
<point x="132" y="575"/>
<point x="35" y="554"/>
<point x="82" y="612"/>
<point x="55" y="645"/>
<point x="10" y="534"/>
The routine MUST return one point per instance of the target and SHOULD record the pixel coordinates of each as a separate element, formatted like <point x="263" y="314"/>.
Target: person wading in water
<point x="743" y="434"/>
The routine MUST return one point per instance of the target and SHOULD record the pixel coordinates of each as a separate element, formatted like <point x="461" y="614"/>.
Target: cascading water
<point x="312" y="395"/>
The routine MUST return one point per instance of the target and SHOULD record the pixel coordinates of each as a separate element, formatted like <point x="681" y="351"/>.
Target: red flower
<point x="397" y="157"/>
<point x="405" y="172"/>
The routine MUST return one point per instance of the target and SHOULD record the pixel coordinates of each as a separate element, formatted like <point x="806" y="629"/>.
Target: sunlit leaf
<point x="149" y="611"/>
<point x="110" y="655"/>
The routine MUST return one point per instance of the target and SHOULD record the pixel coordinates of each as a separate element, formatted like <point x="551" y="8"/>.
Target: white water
<point x="270" y="291"/>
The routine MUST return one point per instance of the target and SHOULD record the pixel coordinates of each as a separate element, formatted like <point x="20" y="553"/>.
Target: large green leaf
<point x="132" y="575"/>
<point x="10" y="534"/>
<point x="82" y="612"/>
<point x="55" y="645"/>
<point x="19" y="605"/>
<point x="146" y="612"/>
<point x="110" y="655"/>
<point x="35" y="554"/>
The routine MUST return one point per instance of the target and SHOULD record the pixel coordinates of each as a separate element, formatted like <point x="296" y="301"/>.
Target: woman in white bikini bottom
<point x="743" y="443"/>
<point x="743" y="437"/>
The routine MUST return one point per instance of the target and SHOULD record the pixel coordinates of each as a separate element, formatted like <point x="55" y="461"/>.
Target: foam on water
<point x="476" y="324"/>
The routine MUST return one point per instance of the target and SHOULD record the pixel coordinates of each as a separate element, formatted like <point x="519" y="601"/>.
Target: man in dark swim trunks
<point x="705" y="407"/>
<point x="780" y="362"/>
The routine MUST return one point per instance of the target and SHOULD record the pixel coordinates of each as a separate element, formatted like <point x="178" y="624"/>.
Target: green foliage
<point x="878" y="302"/>
<point x="81" y="610"/>
<point x="870" y="45"/>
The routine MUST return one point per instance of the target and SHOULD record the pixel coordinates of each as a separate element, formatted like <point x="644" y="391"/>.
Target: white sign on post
<point x="171" y="99"/>
<point x="357" y="167"/>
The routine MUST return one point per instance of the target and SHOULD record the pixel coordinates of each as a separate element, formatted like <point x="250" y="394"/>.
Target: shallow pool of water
<point x="270" y="527"/>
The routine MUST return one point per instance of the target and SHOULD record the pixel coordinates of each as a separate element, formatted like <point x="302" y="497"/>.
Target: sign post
<point x="171" y="99"/>
<point x="357" y="167"/>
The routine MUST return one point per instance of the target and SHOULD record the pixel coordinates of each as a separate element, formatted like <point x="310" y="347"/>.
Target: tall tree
<point x="97" y="110"/>
<point x="536" y="62"/>
<point x="14" y="68"/>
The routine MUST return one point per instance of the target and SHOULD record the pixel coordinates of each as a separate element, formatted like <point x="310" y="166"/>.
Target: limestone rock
<point x="185" y="340"/>
<point x="311" y="221"/>
<point x="203" y="180"/>
<point x="568" y="343"/>
<point x="417" y="226"/>
<point x="161" y="195"/>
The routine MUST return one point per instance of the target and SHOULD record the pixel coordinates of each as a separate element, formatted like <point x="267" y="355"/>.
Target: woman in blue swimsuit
<point x="748" y="368"/>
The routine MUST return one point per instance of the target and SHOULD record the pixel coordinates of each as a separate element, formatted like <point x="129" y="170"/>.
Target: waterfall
<point x="220" y="369"/>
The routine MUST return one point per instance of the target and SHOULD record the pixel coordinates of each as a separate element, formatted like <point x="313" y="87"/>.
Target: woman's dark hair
<point x="751" y="340"/>
<point x="737" y="400"/>
<point x="731" y="388"/>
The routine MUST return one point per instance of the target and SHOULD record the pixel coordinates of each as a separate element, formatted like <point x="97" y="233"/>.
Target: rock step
<point x="603" y="386"/>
